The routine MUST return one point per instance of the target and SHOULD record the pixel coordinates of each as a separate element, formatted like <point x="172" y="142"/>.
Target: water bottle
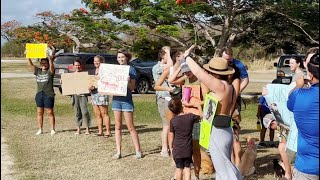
<point x="258" y="125"/>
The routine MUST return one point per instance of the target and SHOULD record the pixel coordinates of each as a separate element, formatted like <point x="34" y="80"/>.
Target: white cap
<point x="267" y="120"/>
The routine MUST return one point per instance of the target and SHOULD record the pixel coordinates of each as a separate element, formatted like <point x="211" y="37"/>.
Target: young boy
<point x="180" y="138"/>
<point x="263" y="109"/>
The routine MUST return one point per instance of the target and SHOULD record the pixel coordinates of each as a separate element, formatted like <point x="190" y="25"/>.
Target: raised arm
<point x="161" y="80"/>
<point x="174" y="79"/>
<point x="214" y="84"/>
<point x="188" y="51"/>
<point x="168" y="57"/>
<point x="32" y="67"/>
<point x="50" y="58"/>
<point x="174" y="75"/>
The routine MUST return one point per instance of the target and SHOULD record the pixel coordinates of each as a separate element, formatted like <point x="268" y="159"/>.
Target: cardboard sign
<point x="36" y="50"/>
<point x="195" y="97"/>
<point x="209" y="110"/>
<point x="277" y="98"/>
<point x="93" y="80"/>
<point x="75" y="83"/>
<point x="113" y="79"/>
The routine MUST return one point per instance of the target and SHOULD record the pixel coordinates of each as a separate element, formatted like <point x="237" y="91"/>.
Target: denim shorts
<point x="122" y="106"/>
<point x="44" y="101"/>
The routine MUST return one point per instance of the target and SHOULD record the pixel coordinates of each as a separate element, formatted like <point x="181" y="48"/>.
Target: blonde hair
<point x="101" y="59"/>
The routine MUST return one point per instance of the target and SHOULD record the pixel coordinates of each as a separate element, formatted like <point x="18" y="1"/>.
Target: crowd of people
<point x="222" y="77"/>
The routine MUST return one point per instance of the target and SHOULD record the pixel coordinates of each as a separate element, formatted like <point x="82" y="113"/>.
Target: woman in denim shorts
<point x="45" y="94"/>
<point x="100" y="103"/>
<point x="124" y="105"/>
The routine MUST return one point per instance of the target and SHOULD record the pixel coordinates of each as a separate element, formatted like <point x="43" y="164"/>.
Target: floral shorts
<point x="99" y="100"/>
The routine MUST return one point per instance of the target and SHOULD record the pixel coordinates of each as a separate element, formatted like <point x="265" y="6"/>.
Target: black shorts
<point x="183" y="162"/>
<point x="44" y="101"/>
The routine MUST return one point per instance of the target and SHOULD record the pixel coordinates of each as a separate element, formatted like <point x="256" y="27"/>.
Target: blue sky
<point x="24" y="10"/>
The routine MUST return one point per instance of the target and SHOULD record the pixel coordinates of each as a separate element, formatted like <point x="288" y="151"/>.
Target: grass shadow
<point x="264" y="166"/>
<point x="245" y="131"/>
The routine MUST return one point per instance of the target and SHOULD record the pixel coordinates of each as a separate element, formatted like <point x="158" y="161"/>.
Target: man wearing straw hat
<point x="215" y="76"/>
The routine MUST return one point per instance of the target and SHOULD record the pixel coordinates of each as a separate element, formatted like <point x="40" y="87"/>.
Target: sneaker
<point x="117" y="156"/>
<point x="53" y="132"/>
<point x="164" y="154"/>
<point x="262" y="145"/>
<point x="138" y="155"/>
<point x="39" y="132"/>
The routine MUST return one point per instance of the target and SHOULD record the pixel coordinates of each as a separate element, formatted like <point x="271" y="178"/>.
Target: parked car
<point x="63" y="63"/>
<point x="284" y="74"/>
<point x="145" y="81"/>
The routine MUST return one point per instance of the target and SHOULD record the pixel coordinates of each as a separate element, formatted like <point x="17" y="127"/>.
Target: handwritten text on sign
<point x="113" y="79"/>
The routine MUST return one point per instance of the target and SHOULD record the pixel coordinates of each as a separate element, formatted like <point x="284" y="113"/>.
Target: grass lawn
<point x="15" y="67"/>
<point x="67" y="156"/>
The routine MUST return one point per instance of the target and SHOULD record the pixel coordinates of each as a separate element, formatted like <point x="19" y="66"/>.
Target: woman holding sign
<point x="215" y="77"/>
<point x="124" y="105"/>
<point x="100" y="102"/>
<point x="45" y="93"/>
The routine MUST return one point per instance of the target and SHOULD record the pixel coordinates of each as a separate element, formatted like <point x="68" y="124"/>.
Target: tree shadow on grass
<point x="145" y="153"/>
<point x="140" y="129"/>
<point x="245" y="131"/>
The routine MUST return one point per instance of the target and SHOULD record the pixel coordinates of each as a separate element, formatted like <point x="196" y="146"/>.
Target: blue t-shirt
<point x="264" y="105"/>
<point x="242" y="68"/>
<point x="304" y="103"/>
<point x="128" y="98"/>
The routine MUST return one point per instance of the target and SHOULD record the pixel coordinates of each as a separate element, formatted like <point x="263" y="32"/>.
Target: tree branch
<point x="170" y="38"/>
<point x="294" y="22"/>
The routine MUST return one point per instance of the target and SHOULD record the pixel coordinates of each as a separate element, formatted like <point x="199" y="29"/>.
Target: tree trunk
<point x="224" y="37"/>
<point x="76" y="49"/>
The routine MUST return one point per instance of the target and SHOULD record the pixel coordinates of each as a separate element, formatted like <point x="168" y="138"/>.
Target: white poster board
<point x="277" y="98"/>
<point x="113" y="79"/>
<point x="74" y="83"/>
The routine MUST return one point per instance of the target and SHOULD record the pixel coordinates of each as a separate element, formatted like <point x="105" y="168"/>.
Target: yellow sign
<point x="36" y="50"/>
<point x="209" y="110"/>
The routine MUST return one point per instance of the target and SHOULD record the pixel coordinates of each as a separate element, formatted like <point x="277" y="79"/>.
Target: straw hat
<point x="218" y="65"/>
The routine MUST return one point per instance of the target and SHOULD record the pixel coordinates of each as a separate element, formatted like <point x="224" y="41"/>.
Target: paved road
<point x="16" y="75"/>
<point x="14" y="61"/>
<point x="6" y="162"/>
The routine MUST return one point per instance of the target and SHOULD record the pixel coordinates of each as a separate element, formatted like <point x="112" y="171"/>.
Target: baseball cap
<point x="267" y="120"/>
<point x="185" y="68"/>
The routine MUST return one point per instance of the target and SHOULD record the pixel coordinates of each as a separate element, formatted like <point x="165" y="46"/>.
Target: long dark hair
<point x="313" y="65"/>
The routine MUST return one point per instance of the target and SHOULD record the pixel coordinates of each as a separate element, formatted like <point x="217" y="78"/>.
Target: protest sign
<point x="93" y="80"/>
<point x="277" y="98"/>
<point x="74" y="83"/>
<point x="36" y="50"/>
<point x="195" y="98"/>
<point x="209" y="110"/>
<point x="113" y="79"/>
